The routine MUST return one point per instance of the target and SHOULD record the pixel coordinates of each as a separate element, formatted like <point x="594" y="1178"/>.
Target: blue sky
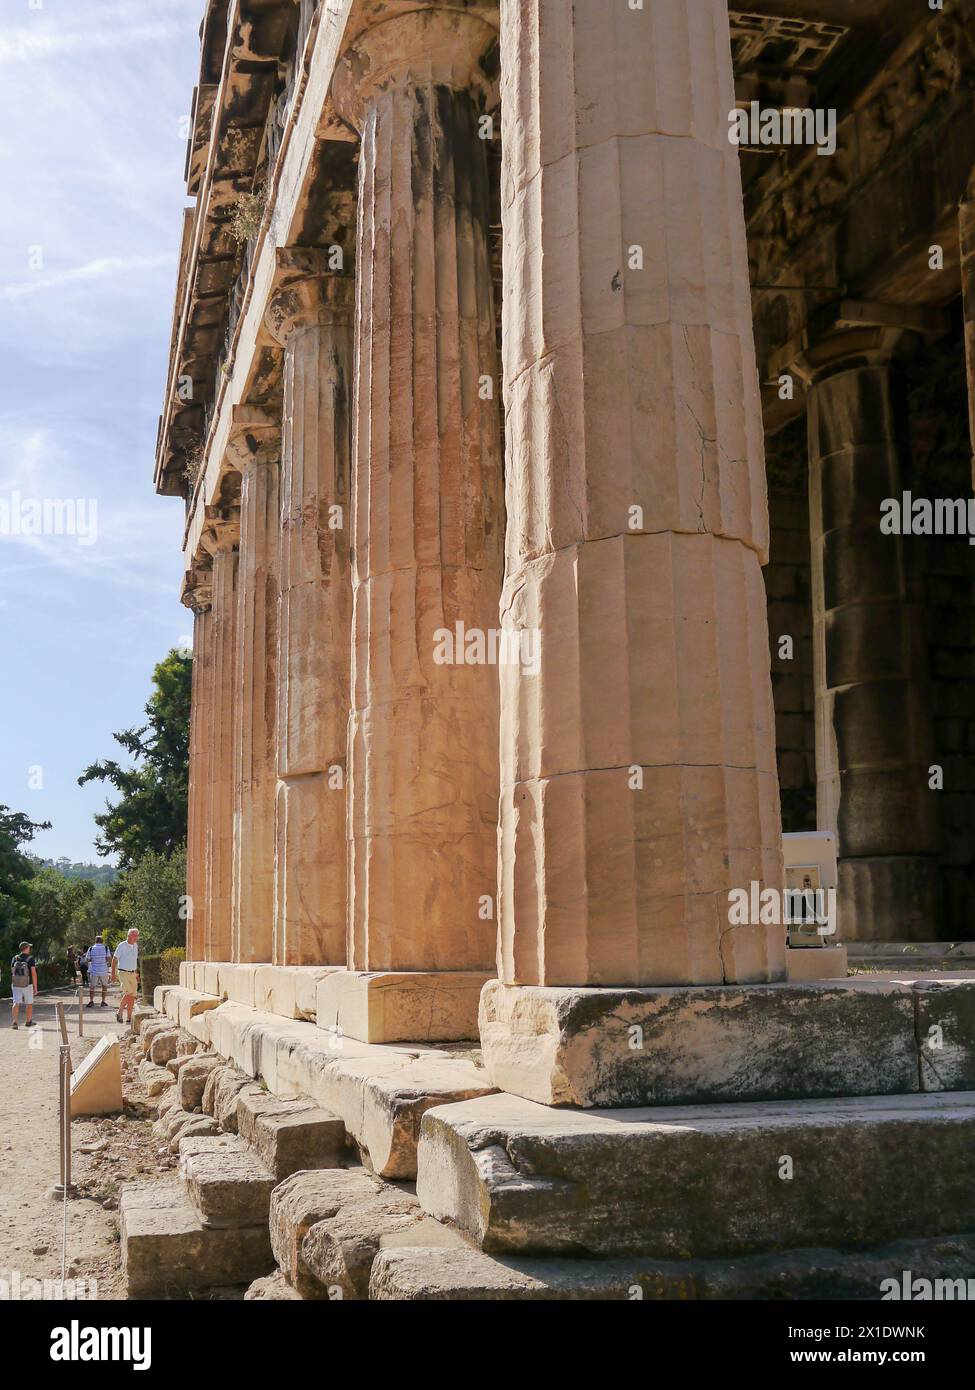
<point x="96" y="98"/>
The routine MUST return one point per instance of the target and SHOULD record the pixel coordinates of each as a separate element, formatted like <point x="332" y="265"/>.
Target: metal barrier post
<point x="64" y="1187"/>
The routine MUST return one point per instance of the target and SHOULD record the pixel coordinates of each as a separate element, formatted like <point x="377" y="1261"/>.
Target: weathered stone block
<point x="290" y="1135"/>
<point x="166" y="1249"/>
<point x="141" y="1015"/>
<point x="386" y="1007"/>
<point x="193" y="1077"/>
<point x="339" y="1250"/>
<point x="227" y="1083"/>
<point x="155" y="1079"/>
<point x="168" y="1102"/>
<point x="212" y="978"/>
<point x="274" y="1288"/>
<point x="468" y="1274"/>
<point x="700" y="1181"/>
<point x="803" y="964"/>
<point x="182" y="1006"/>
<point x="162" y="1048"/>
<point x="192" y="1126"/>
<point x="598" y="1047"/>
<point x="171" y="1121"/>
<point x="237" y="982"/>
<point x="211" y="1143"/>
<point x="946" y="1032"/>
<point x="228" y="1187"/>
<point x="209" y="1088"/>
<point x="152" y="1029"/>
<point x="290" y="990"/>
<point x="380" y="1092"/>
<point x="296" y="1205"/>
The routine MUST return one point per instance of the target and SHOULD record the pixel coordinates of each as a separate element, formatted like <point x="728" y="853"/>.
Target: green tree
<point x="152" y="899"/>
<point x="16" y="872"/>
<point x="55" y="906"/>
<point x="99" y="916"/>
<point x="150" y="814"/>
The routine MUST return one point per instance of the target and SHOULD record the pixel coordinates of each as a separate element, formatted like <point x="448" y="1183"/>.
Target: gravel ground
<point x="106" y="1152"/>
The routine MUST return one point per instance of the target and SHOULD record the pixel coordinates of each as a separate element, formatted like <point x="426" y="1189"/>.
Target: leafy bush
<point x="53" y="974"/>
<point x="153" y="900"/>
<point x="160" y="969"/>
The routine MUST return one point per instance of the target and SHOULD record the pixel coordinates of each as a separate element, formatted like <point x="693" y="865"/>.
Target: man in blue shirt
<point x="99" y="958"/>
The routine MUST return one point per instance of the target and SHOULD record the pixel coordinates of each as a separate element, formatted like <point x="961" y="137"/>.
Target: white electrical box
<point x="810" y="886"/>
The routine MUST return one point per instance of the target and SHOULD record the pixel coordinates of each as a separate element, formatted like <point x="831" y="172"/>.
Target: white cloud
<point x="101" y="27"/>
<point x="100" y="269"/>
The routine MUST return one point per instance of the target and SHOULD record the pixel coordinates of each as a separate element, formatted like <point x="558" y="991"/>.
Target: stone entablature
<point x="246" y="85"/>
<point x="822" y="227"/>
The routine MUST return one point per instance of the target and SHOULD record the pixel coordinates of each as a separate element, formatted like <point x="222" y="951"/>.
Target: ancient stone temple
<point x="570" y="401"/>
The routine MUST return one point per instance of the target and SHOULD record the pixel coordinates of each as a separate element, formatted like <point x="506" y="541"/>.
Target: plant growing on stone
<point x="194" y="462"/>
<point x="248" y="213"/>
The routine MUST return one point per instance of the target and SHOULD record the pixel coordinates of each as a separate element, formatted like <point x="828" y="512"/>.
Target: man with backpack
<point x="23" y="973"/>
<point x="98" y="960"/>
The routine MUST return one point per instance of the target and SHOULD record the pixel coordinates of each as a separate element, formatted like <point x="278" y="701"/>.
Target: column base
<point x="397" y="1006"/>
<point x="893" y="898"/>
<point x="803" y="963"/>
<point x="712" y="1043"/>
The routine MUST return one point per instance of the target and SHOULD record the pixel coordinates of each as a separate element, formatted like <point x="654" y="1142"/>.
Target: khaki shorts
<point x="129" y="980"/>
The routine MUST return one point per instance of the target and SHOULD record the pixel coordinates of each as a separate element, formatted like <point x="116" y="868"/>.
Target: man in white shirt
<point x="126" y="962"/>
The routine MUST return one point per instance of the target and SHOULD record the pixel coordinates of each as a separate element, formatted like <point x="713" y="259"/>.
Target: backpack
<point x="20" y="972"/>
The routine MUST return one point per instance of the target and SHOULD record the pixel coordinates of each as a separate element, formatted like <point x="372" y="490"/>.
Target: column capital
<point x="319" y="300"/>
<point x="433" y="45"/>
<point x="254" y="439"/>
<point x="221" y="532"/>
<point x="852" y="332"/>
<point x="197" y="589"/>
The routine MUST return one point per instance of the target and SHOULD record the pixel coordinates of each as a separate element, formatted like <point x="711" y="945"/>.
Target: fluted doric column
<point x="197" y="597"/>
<point x="428" y="508"/>
<point x="966" y="237"/>
<point x="873" y="717"/>
<point x="312" y="319"/>
<point x="255" y="450"/>
<point x="638" y="766"/>
<point x="220" y="541"/>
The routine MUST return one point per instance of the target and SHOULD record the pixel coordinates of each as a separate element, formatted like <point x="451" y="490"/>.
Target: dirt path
<point x="31" y="1221"/>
